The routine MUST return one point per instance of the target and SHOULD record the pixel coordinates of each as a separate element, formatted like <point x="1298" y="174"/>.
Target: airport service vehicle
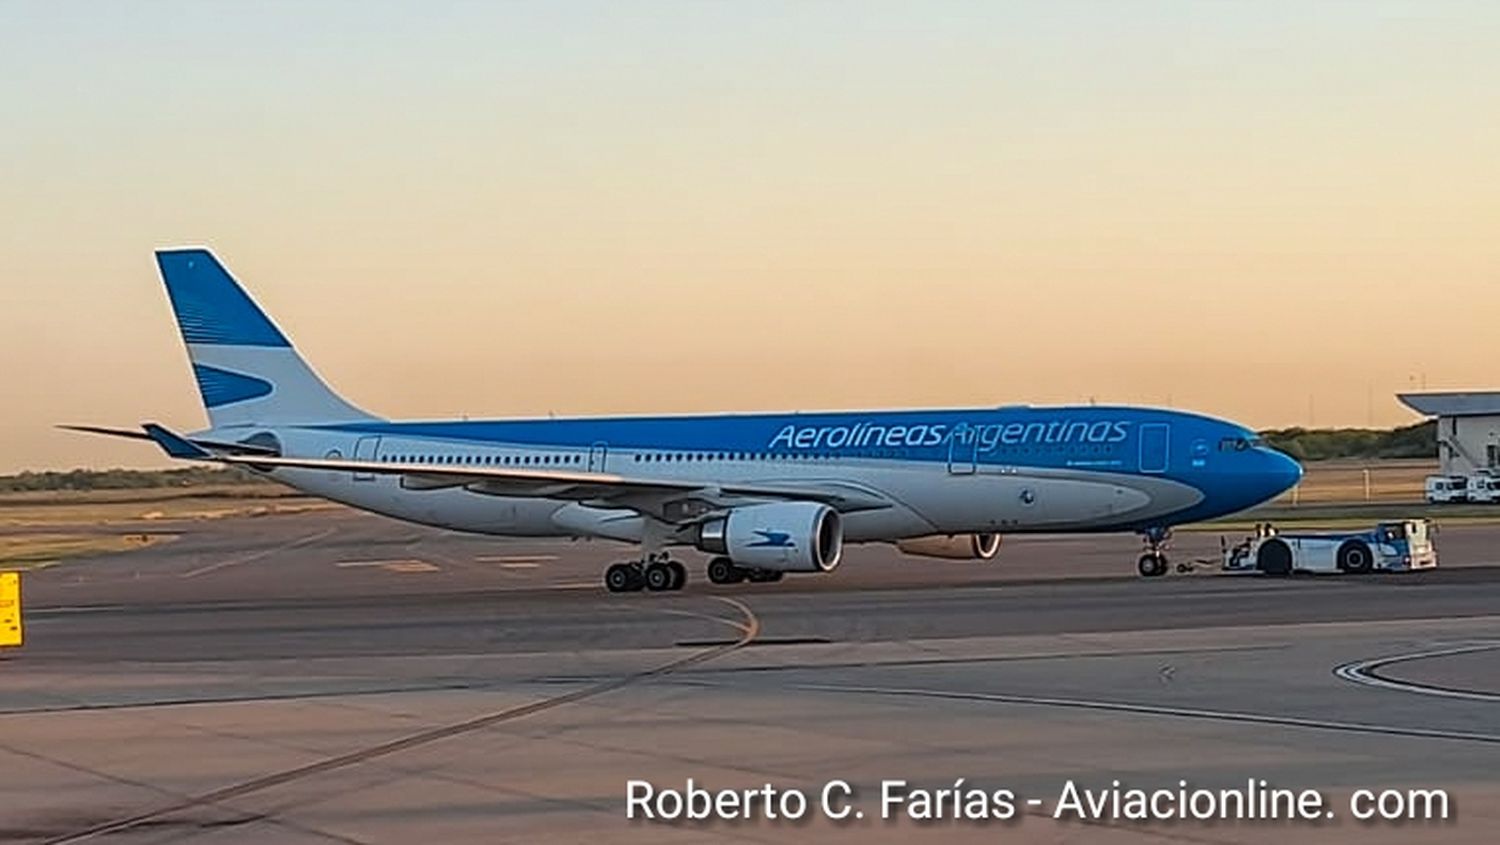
<point x="1388" y="547"/>
<point x="764" y="494"/>
<point x="1483" y="489"/>
<point x="1447" y="489"/>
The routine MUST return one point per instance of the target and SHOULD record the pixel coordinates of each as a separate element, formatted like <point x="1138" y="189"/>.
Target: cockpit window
<point x="1240" y="444"/>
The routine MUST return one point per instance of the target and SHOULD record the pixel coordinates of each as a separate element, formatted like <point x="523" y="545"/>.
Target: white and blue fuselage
<point x="1006" y="470"/>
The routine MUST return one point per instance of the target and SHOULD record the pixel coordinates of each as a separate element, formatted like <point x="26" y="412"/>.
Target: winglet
<point x="175" y="445"/>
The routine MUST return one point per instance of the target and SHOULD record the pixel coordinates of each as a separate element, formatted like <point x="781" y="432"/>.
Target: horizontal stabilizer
<point x="175" y="445"/>
<point x="215" y="445"/>
<point x="131" y="433"/>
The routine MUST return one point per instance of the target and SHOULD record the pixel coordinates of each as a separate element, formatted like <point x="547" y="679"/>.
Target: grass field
<point x="106" y="507"/>
<point x="1349" y="482"/>
<point x="36" y="551"/>
<point x="236" y="492"/>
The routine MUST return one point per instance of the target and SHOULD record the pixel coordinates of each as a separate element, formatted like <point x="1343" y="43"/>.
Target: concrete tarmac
<point x="332" y="676"/>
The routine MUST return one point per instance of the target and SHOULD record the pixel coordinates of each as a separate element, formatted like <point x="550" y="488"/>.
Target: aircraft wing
<point x="672" y="500"/>
<point x="676" y="501"/>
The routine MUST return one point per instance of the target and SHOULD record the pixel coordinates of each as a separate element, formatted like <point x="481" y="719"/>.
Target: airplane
<point x="763" y="494"/>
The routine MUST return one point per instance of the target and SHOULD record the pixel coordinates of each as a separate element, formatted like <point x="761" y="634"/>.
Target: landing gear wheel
<point x="1354" y="558"/>
<point x="622" y="578"/>
<point x="721" y="570"/>
<point x="1151" y="565"/>
<point x="659" y="577"/>
<point x="679" y="575"/>
<point x="764" y="576"/>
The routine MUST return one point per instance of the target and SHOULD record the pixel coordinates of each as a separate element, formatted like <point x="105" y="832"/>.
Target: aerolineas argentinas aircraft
<point x="765" y="494"/>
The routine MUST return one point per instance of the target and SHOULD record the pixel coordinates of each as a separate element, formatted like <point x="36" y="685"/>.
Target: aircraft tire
<point x="721" y="570"/>
<point x="621" y="578"/>
<point x="679" y="575"/>
<point x="659" y="577"/>
<point x="1151" y="565"/>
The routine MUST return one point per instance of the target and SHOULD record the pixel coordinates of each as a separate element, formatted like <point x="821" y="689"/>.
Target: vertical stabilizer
<point x="247" y="371"/>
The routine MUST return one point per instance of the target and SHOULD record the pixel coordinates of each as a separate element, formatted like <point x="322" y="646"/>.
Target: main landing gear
<point x="721" y="570"/>
<point x="659" y="574"/>
<point x="656" y="573"/>
<point x="1153" y="563"/>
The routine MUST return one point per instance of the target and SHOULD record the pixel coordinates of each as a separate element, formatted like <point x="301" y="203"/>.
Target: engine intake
<point x="778" y="536"/>
<point x="953" y="546"/>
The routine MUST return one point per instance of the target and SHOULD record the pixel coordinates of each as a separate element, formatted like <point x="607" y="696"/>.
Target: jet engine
<point x="953" y="546"/>
<point x="777" y="537"/>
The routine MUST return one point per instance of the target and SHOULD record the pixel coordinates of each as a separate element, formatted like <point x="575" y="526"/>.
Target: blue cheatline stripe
<point x="211" y="307"/>
<point x="1036" y="432"/>
<point x="222" y="387"/>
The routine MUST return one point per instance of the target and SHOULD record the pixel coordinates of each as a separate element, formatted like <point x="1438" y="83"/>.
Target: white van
<point x="1444" y="489"/>
<point x="1484" y="488"/>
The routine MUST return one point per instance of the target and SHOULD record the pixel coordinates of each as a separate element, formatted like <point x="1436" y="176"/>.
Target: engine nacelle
<point x="953" y="546"/>
<point x="779" y="536"/>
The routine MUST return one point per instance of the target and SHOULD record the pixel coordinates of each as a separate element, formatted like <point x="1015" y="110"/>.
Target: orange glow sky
<point x="1280" y="213"/>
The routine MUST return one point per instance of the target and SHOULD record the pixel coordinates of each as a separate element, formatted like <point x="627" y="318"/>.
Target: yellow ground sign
<point x="10" y="608"/>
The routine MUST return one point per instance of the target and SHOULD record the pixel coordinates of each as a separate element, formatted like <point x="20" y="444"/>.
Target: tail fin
<point x="247" y="371"/>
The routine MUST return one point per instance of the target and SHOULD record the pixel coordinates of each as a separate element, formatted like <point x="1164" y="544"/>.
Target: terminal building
<point x="1468" y="429"/>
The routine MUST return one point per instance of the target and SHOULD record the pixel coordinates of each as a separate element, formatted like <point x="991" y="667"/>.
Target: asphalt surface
<point x="338" y="677"/>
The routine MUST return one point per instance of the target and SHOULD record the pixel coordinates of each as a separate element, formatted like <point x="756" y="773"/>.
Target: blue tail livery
<point x="246" y="369"/>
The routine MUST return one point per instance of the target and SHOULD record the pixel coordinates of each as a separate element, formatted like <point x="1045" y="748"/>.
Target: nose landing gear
<point x="1153" y="563"/>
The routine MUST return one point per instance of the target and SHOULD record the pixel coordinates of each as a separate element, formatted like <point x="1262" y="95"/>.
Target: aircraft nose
<point x="1281" y="471"/>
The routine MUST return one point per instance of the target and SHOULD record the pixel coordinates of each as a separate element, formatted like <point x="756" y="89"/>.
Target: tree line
<point x="1321" y="444"/>
<point x="125" y="479"/>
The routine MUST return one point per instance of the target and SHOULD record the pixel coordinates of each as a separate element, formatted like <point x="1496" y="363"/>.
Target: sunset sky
<point x="1280" y="213"/>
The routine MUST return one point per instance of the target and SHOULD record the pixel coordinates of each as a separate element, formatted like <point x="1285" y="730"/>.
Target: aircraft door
<point x="1155" y="443"/>
<point x="598" y="454"/>
<point x="366" y="449"/>
<point x="963" y="454"/>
